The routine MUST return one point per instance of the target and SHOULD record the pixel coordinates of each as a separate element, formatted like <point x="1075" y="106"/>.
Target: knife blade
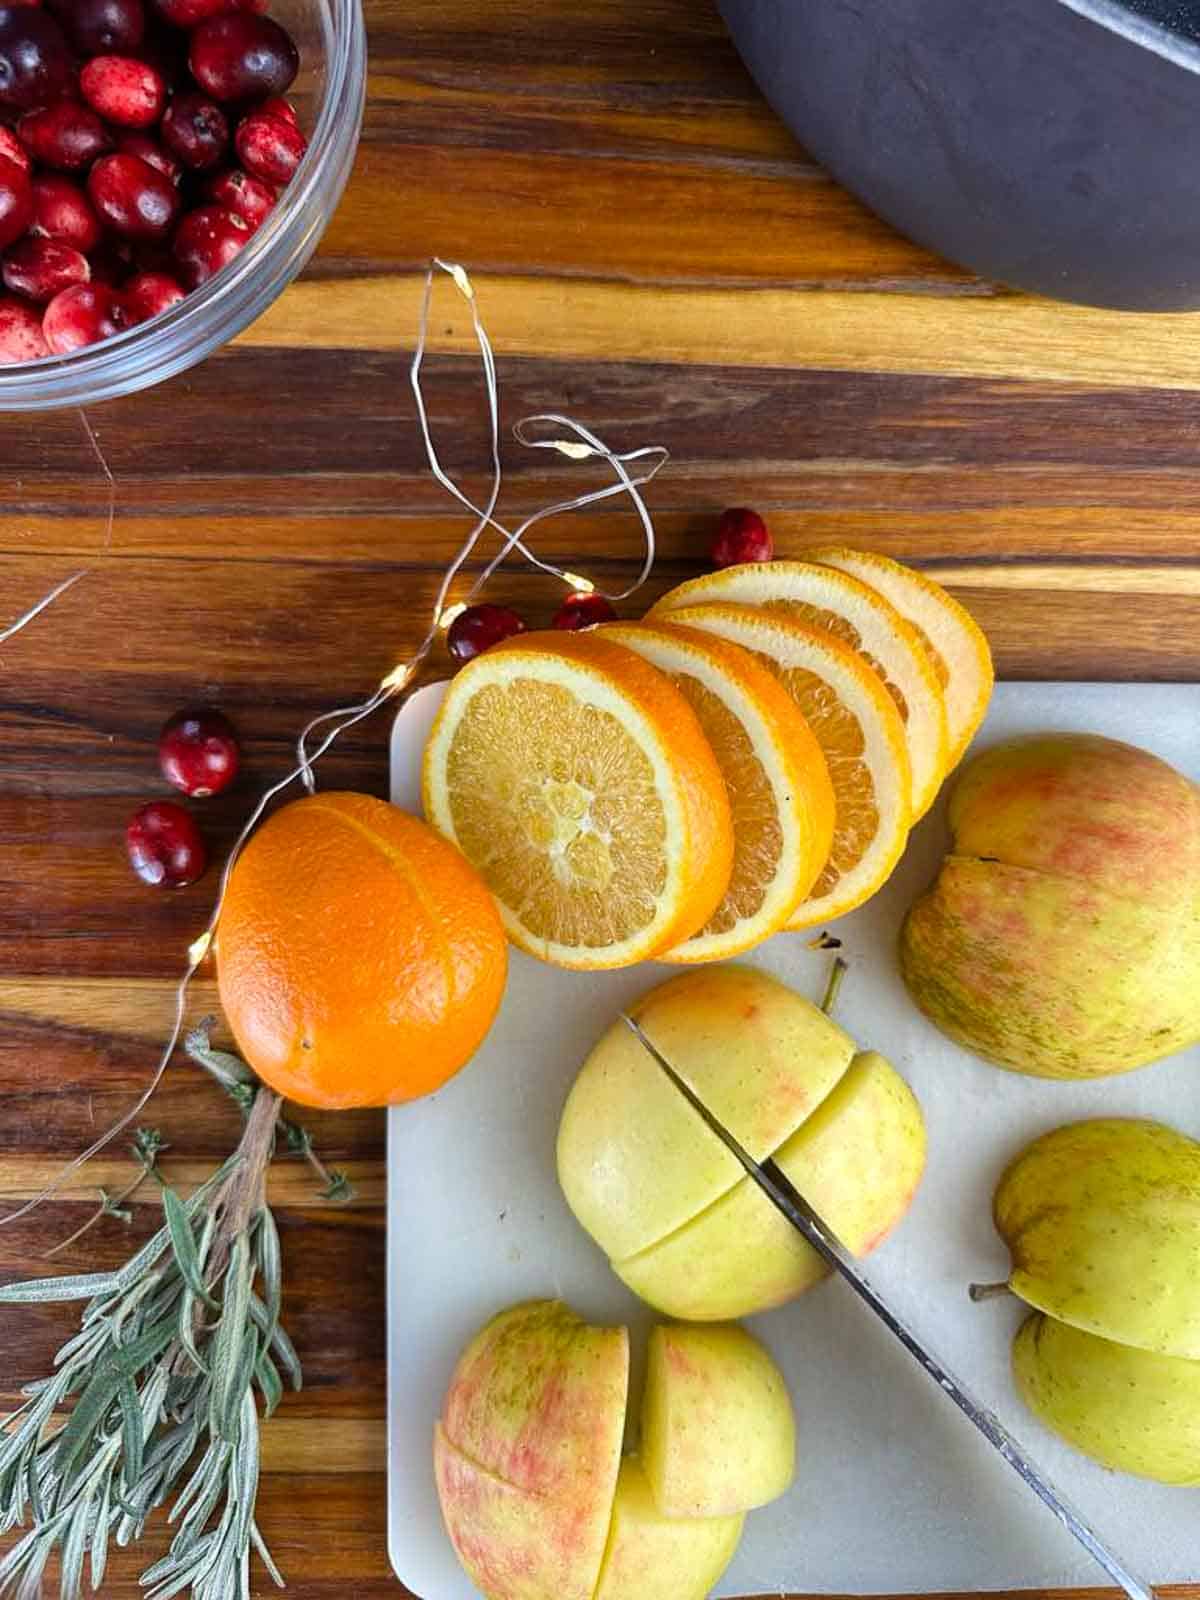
<point x="791" y="1204"/>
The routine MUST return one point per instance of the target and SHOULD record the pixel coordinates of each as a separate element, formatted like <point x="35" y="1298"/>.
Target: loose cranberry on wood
<point x="198" y="751"/>
<point x="16" y="202"/>
<point x="741" y="536"/>
<point x="61" y="210"/>
<point x="269" y="147"/>
<point x="82" y="316"/>
<point x="132" y="198"/>
<point x="35" y="59"/>
<point x="42" y="268"/>
<point x="247" y="197"/>
<point x="196" y="130"/>
<point x="207" y="240"/>
<point x="124" y="90"/>
<point x="166" y="848"/>
<point x="148" y="293"/>
<point x="21" y="336"/>
<point x="479" y="627"/>
<point x="66" y="136"/>
<point x="242" y="57"/>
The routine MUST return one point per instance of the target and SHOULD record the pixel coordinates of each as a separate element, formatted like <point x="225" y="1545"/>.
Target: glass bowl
<point x="328" y="94"/>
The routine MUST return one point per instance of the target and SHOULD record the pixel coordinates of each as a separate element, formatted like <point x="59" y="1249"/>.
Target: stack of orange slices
<point x="749" y="758"/>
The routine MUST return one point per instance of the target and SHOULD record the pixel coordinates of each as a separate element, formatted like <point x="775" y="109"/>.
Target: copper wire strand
<point x="584" y="445"/>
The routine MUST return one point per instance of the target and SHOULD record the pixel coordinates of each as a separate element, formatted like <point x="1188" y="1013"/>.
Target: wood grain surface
<point x="654" y="255"/>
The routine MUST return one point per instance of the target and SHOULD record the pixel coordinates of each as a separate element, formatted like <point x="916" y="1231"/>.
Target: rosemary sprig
<point x="148" y="1145"/>
<point x="242" y="1086"/>
<point x="163" y="1372"/>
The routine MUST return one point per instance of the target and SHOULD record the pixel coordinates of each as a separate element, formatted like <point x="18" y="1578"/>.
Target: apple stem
<point x="837" y="972"/>
<point x="988" y="1291"/>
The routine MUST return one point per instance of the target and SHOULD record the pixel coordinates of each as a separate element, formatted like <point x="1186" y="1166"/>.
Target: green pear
<point x="1103" y="1222"/>
<point x="1062" y="936"/>
<point x="1129" y="1409"/>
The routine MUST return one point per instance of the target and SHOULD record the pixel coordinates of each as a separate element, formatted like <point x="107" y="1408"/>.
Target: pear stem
<point x="837" y="972"/>
<point x="988" y="1291"/>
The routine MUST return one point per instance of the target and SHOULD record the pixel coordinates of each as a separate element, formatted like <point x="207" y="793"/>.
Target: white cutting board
<point x="895" y="1492"/>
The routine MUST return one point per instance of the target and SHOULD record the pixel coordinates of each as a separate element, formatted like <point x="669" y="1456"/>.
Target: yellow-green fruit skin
<point x="858" y="1159"/>
<point x="634" y="1160"/>
<point x="718" y="1430"/>
<point x="1102" y="1219"/>
<point x="1062" y="936"/>
<point x="527" y="1452"/>
<point x="1128" y="1409"/>
<point x="653" y="1557"/>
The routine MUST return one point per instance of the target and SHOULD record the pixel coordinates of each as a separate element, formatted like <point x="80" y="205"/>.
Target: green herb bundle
<point x="172" y="1354"/>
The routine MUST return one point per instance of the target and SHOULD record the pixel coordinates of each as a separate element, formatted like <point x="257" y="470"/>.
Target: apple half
<point x="679" y="1220"/>
<point x="536" y="1498"/>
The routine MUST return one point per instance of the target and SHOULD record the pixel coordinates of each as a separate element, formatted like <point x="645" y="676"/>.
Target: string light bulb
<point x="577" y="584"/>
<point x="451" y="615"/>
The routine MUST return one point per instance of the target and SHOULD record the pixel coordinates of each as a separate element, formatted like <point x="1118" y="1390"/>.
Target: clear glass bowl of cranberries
<point x="166" y="168"/>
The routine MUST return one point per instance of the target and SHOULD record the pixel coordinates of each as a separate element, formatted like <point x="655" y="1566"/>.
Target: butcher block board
<point x="894" y="1492"/>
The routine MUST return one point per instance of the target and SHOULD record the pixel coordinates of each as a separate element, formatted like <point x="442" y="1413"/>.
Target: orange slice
<point x="858" y="615"/>
<point x="859" y="729"/>
<point x="955" y="643"/>
<point x="775" y="774"/>
<point x="577" y="780"/>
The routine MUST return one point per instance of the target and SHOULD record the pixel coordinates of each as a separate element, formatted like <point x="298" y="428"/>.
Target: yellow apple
<point x="634" y="1160"/>
<point x="654" y="1557"/>
<point x="718" y="1431"/>
<point x="858" y="1160"/>
<point x="1103" y="1222"/>
<point x="536" y="1500"/>
<point x="1062" y="937"/>
<point x="527" y="1452"/>
<point x="1129" y="1409"/>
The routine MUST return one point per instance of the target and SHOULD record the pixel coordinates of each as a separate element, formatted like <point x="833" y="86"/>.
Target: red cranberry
<point x="269" y="147"/>
<point x="196" y="130"/>
<point x="741" y="536"/>
<point x="277" y="106"/>
<point x="101" y="27"/>
<point x="148" y="293"/>
<point x="582" y="611"/>
<point x="242" y="57"/>
<point x="206" y="241"/>
<point x="478" y="628"/>
<point x="61" y="211"/>
<point x="21" y="336"/>
<point x="247" y="197"/>
<point x="166" y="848"/>
<point x="150" y="151"/>
<point x="42" y="268"/>
<point x="83" y="315"/>
<point x="133" y="198"/>
<point x="66" y="135"/>
<point x="12" y="149"/>
<point x="16" y="202"/>
<point x="35" y="62"/>
<point x="124" y="90"/>
<point x="191" y="13"/>
<point x="198" y="752"/>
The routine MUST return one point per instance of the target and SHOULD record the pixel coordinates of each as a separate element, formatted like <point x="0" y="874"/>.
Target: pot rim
<point x="1139" y="30"/>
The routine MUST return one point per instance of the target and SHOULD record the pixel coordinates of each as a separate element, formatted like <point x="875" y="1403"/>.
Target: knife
<point x="788" y="1200"/>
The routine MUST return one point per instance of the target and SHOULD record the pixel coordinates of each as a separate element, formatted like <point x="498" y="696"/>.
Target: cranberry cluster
<point x="141" y="144"/>
<point x="198" y="752"/>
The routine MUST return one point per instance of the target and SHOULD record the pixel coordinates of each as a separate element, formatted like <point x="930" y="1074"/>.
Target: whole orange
<point x="360" y="957"/>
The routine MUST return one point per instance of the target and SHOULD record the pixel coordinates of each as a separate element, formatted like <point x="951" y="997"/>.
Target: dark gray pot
<point x="1050" y="144"/>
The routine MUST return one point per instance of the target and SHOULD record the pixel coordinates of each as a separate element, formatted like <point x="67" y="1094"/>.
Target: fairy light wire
<point x="585" y="445"/>
<point x="27" y="617"/>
